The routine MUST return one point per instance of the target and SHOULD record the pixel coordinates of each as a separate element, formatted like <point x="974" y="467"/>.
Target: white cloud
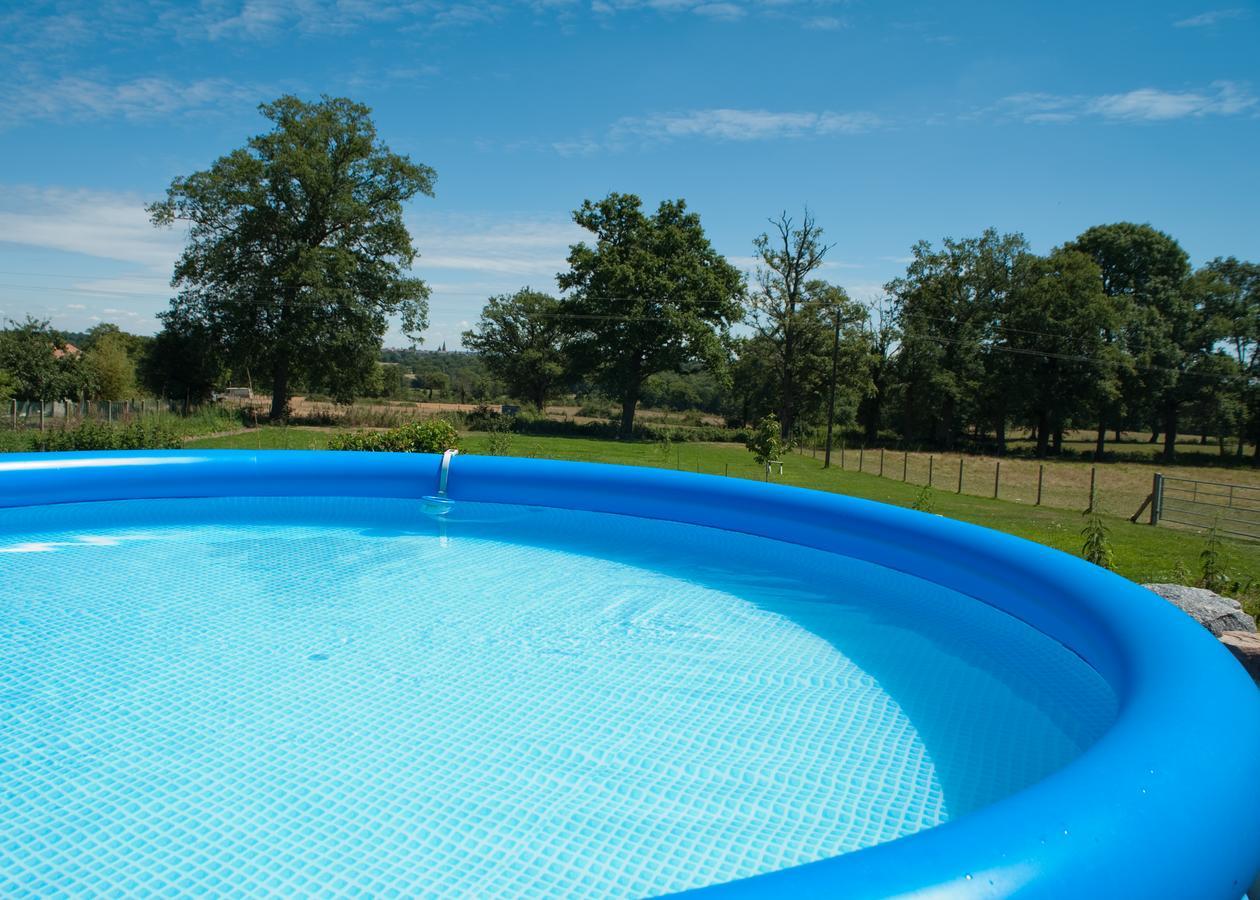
<point x="725" y="11"/>
<point x="1155" y="105"/>
<point x="94" y="223"/>
<point x="825" y="23"/>
<point x="1212" y="17"/>
<point x="1221" y="98"/>
<point x="76" y="97"/>
<point x="522" y="248"/>
<point x="744" y="124"/>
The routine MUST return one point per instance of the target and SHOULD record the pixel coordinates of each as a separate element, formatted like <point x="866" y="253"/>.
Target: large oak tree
<point x="297" y="252"/>
<point x="650" y="294"/>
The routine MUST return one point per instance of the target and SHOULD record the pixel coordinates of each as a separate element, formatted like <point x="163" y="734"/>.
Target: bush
<point x="430" y="436"/>
<point x="139" y="435"/>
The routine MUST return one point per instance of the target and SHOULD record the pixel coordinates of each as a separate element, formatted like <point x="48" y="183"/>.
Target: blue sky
<point x="893" y="121"/>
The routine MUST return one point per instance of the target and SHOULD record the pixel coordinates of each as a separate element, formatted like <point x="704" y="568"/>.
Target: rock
<point x="1245" y="645"/>
<point x="1215" y="613"/>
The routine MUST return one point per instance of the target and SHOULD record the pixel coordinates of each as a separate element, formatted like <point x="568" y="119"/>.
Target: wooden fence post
<point x="905" y="463"/>
<point x="881" y="462"/>
<point x="1093" y="480"/>
<point x="1157" y="497"/>
<point x="960" y="473"/>
<point x="931" y="460"/>
<point x="1041" y="470"/>
<point x="997" y="478"/>
<point x="861" y="456"/>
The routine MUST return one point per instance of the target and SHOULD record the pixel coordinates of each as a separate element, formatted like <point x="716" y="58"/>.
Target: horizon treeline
<point x="1111" y="331"/>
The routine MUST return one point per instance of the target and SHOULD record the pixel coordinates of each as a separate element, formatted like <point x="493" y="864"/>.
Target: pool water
<point x="269" y="696"/>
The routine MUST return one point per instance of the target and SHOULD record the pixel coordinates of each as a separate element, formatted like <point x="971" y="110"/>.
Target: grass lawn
<point x="267" y="438"/>
<point x="1142" y="553"/>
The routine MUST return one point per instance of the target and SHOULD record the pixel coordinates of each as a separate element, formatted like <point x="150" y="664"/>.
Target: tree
<point x="803" y="387"/>
<point x="766" y="443"/>
<point x="1053" y="327"/>
<point x="519" y="337"/>
<point x="39" y="362"/>
<point x="946" y="308"/>
<point x="651" y="295"/>
<point x="297" y="248"/>
<point x="1235" y="309"/>
<point x="1142" y="271"/>
<point x="112" y="371"/>
<point x="881" y="344"/>
<point x="181" y="362"/>
<point x="785" y="263"/>
<point x="434" y="381"/>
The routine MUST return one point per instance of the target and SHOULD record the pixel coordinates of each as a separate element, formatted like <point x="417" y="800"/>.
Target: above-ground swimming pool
<point x="258" y="674"/>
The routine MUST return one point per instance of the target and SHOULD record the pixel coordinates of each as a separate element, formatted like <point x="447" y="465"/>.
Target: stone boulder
<point x="1245" y="645"/>
<point x="1215" y="613"/>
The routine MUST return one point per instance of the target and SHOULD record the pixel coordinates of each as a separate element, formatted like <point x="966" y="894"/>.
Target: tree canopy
<point x="297" y="251"/>
<point x="650" y="294"/>
<point x="519" y="336"/>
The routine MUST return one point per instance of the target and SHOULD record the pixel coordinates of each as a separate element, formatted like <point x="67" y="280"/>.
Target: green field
<point x="1142" y="553"/>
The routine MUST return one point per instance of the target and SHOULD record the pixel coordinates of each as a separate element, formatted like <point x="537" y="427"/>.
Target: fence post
<point x="1093" y="480"/>
<point x="997" y="478"/>
<point x="1041" y="471"/>
<point x="13" y="412"/>
<point x="931" y="460"/>
<point x="881" y="462"/>
<point x="110" y="415"/>
<point x="960" y="471"/>
<point x="842" y="453"/>
<point x="905" y="463"/>
<point x="861" y="456"/>
<point x="1157" y="497"/>
<point x="727" y="470"/>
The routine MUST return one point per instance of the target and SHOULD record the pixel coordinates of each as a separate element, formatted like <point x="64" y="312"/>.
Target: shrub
<point x="1212" y="563"/>
<point x="1097" y="547"/>
<point x="430" y="436"/>
<point x="138" y="435"/>
<point x="925" y="501"/>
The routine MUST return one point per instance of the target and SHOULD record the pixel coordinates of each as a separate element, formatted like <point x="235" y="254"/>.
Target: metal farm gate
<point x="1233" y="508"/>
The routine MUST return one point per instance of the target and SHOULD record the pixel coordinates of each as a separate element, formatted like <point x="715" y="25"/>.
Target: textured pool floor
<point x="271" y="697"/>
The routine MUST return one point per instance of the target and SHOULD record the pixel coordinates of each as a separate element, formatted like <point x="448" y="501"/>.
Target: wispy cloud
<point x="521" y="248"/>
<point x="33" y="30"/>
<point x="74" y="97"/>
<point x="743" y="124"/>
<point x="825" y="23"/>
<point x="1221" y="98"/>
<point x="94" y="223"/>
<point x="1212" y="17"/>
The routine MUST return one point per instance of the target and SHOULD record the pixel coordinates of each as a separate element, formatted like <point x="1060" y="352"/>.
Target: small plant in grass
<point x="1212" y="563"/>
<point x="1097" y="548"/>
<point x="926" y="501"/>
<point x="1181" y="573"/>
<point x="764" y="443"/>
<point x="499" y="440"/>
<point x="665" y="445"/>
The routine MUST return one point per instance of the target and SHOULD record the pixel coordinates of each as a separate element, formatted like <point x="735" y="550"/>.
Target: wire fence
<point x="21" y="414"/>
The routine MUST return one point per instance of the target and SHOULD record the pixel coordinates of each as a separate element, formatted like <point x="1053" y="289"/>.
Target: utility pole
<point x="831" y="402"/>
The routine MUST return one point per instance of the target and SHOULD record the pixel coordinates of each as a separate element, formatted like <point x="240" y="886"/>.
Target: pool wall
<point x="1166" y="804"/>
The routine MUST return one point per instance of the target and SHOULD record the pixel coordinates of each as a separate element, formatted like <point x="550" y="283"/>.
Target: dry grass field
<point x="1122" y="485"/>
